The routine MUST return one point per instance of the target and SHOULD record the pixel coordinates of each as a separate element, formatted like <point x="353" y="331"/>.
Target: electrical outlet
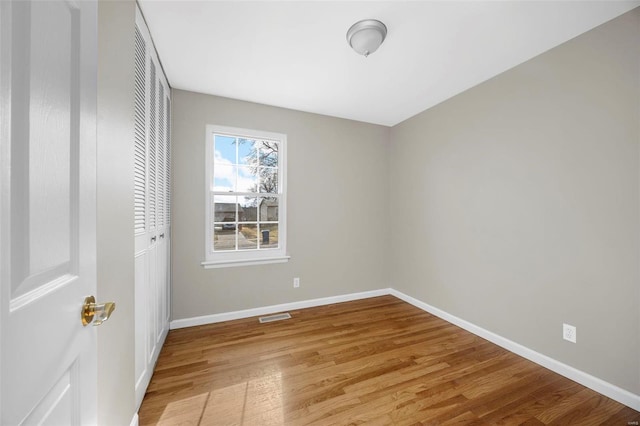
<point x="569" y="333"/>
<point x="296" y="282"/>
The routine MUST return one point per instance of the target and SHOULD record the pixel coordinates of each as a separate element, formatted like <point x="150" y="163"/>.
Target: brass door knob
<point x="95" y="312"/>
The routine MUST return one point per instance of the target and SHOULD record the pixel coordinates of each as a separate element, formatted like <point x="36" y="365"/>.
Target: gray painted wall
<point x="116" y="399"/>
<point x="523" y="203"/>
<point x="338" y="228"/>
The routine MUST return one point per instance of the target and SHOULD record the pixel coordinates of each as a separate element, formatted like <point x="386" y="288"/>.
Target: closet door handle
<point x="153" y="239"/>
<point x="162" y="235"/>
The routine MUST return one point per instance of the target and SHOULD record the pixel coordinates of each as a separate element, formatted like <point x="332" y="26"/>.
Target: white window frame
<point x="219" y="259"/>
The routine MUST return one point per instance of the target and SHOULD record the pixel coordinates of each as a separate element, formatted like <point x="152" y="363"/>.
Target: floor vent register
<point x="276" y="317"/>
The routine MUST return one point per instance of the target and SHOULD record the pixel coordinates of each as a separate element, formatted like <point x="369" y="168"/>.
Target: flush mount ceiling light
<point x="366" y="36"/>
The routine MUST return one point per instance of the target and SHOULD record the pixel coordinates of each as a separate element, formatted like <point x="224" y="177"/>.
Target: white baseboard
<point x="266" y="310"/>
<point x="134" y="420"/>
<point x="614" y="392"/>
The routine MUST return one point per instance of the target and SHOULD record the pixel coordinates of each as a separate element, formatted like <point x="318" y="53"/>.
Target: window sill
<point x="210" y="264"/>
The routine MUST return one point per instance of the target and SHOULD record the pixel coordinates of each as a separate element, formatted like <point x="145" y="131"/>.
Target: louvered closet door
<point x="152" y="239"/>
<point x="160" y="262"/>
<point x="152" y="141"/>
<point x="162" y="290"/>
<point x="167" y="208"/>
<point x="142" y="221"/>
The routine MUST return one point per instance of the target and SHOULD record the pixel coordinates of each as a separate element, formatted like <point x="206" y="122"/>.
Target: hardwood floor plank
<point x="564" y="406"/>
<point x="377" y="361"/>
<point x="590" y="412"/>
<point x="519" y="409"/>
<point x="187" y="411"/>
<point x="625" y="416"/>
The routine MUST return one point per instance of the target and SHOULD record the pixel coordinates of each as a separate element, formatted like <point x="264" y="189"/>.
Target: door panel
<point x="53" y="107"/>
<point x="57" y="407"/>
<point x="161" y="279"/>
<point x="152" y="255"/>
<point x="47" y="211"/>
<point x="141" y="316"/>
<point x="44" y="109"/>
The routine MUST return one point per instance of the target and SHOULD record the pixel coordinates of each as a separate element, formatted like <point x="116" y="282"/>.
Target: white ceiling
<point x="294" y="54"/>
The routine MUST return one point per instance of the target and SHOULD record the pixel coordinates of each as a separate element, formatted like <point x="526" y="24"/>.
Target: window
<point x="245" y="197"/>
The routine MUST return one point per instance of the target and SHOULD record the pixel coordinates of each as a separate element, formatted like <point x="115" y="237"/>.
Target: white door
<point x="47" y="211"/>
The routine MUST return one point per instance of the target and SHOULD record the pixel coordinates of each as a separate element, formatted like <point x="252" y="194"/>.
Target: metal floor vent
<point x="276" y="317"/>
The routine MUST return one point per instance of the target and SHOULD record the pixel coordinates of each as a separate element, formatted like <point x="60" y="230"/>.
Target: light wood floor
<point x="377" y="361"/>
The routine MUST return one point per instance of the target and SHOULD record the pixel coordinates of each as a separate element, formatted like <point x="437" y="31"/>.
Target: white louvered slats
<point x="161" y="155"/>
<point x="140" y="134"/>
<point x="152" y="187"/>
<point x="167" y="200"/>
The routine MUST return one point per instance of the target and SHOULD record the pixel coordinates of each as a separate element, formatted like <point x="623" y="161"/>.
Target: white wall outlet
<point x="296" y="282"/>
<point x="569" y="333"/>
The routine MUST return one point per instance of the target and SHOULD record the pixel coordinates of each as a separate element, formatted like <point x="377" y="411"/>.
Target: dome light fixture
<point x="366" y="36"/>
